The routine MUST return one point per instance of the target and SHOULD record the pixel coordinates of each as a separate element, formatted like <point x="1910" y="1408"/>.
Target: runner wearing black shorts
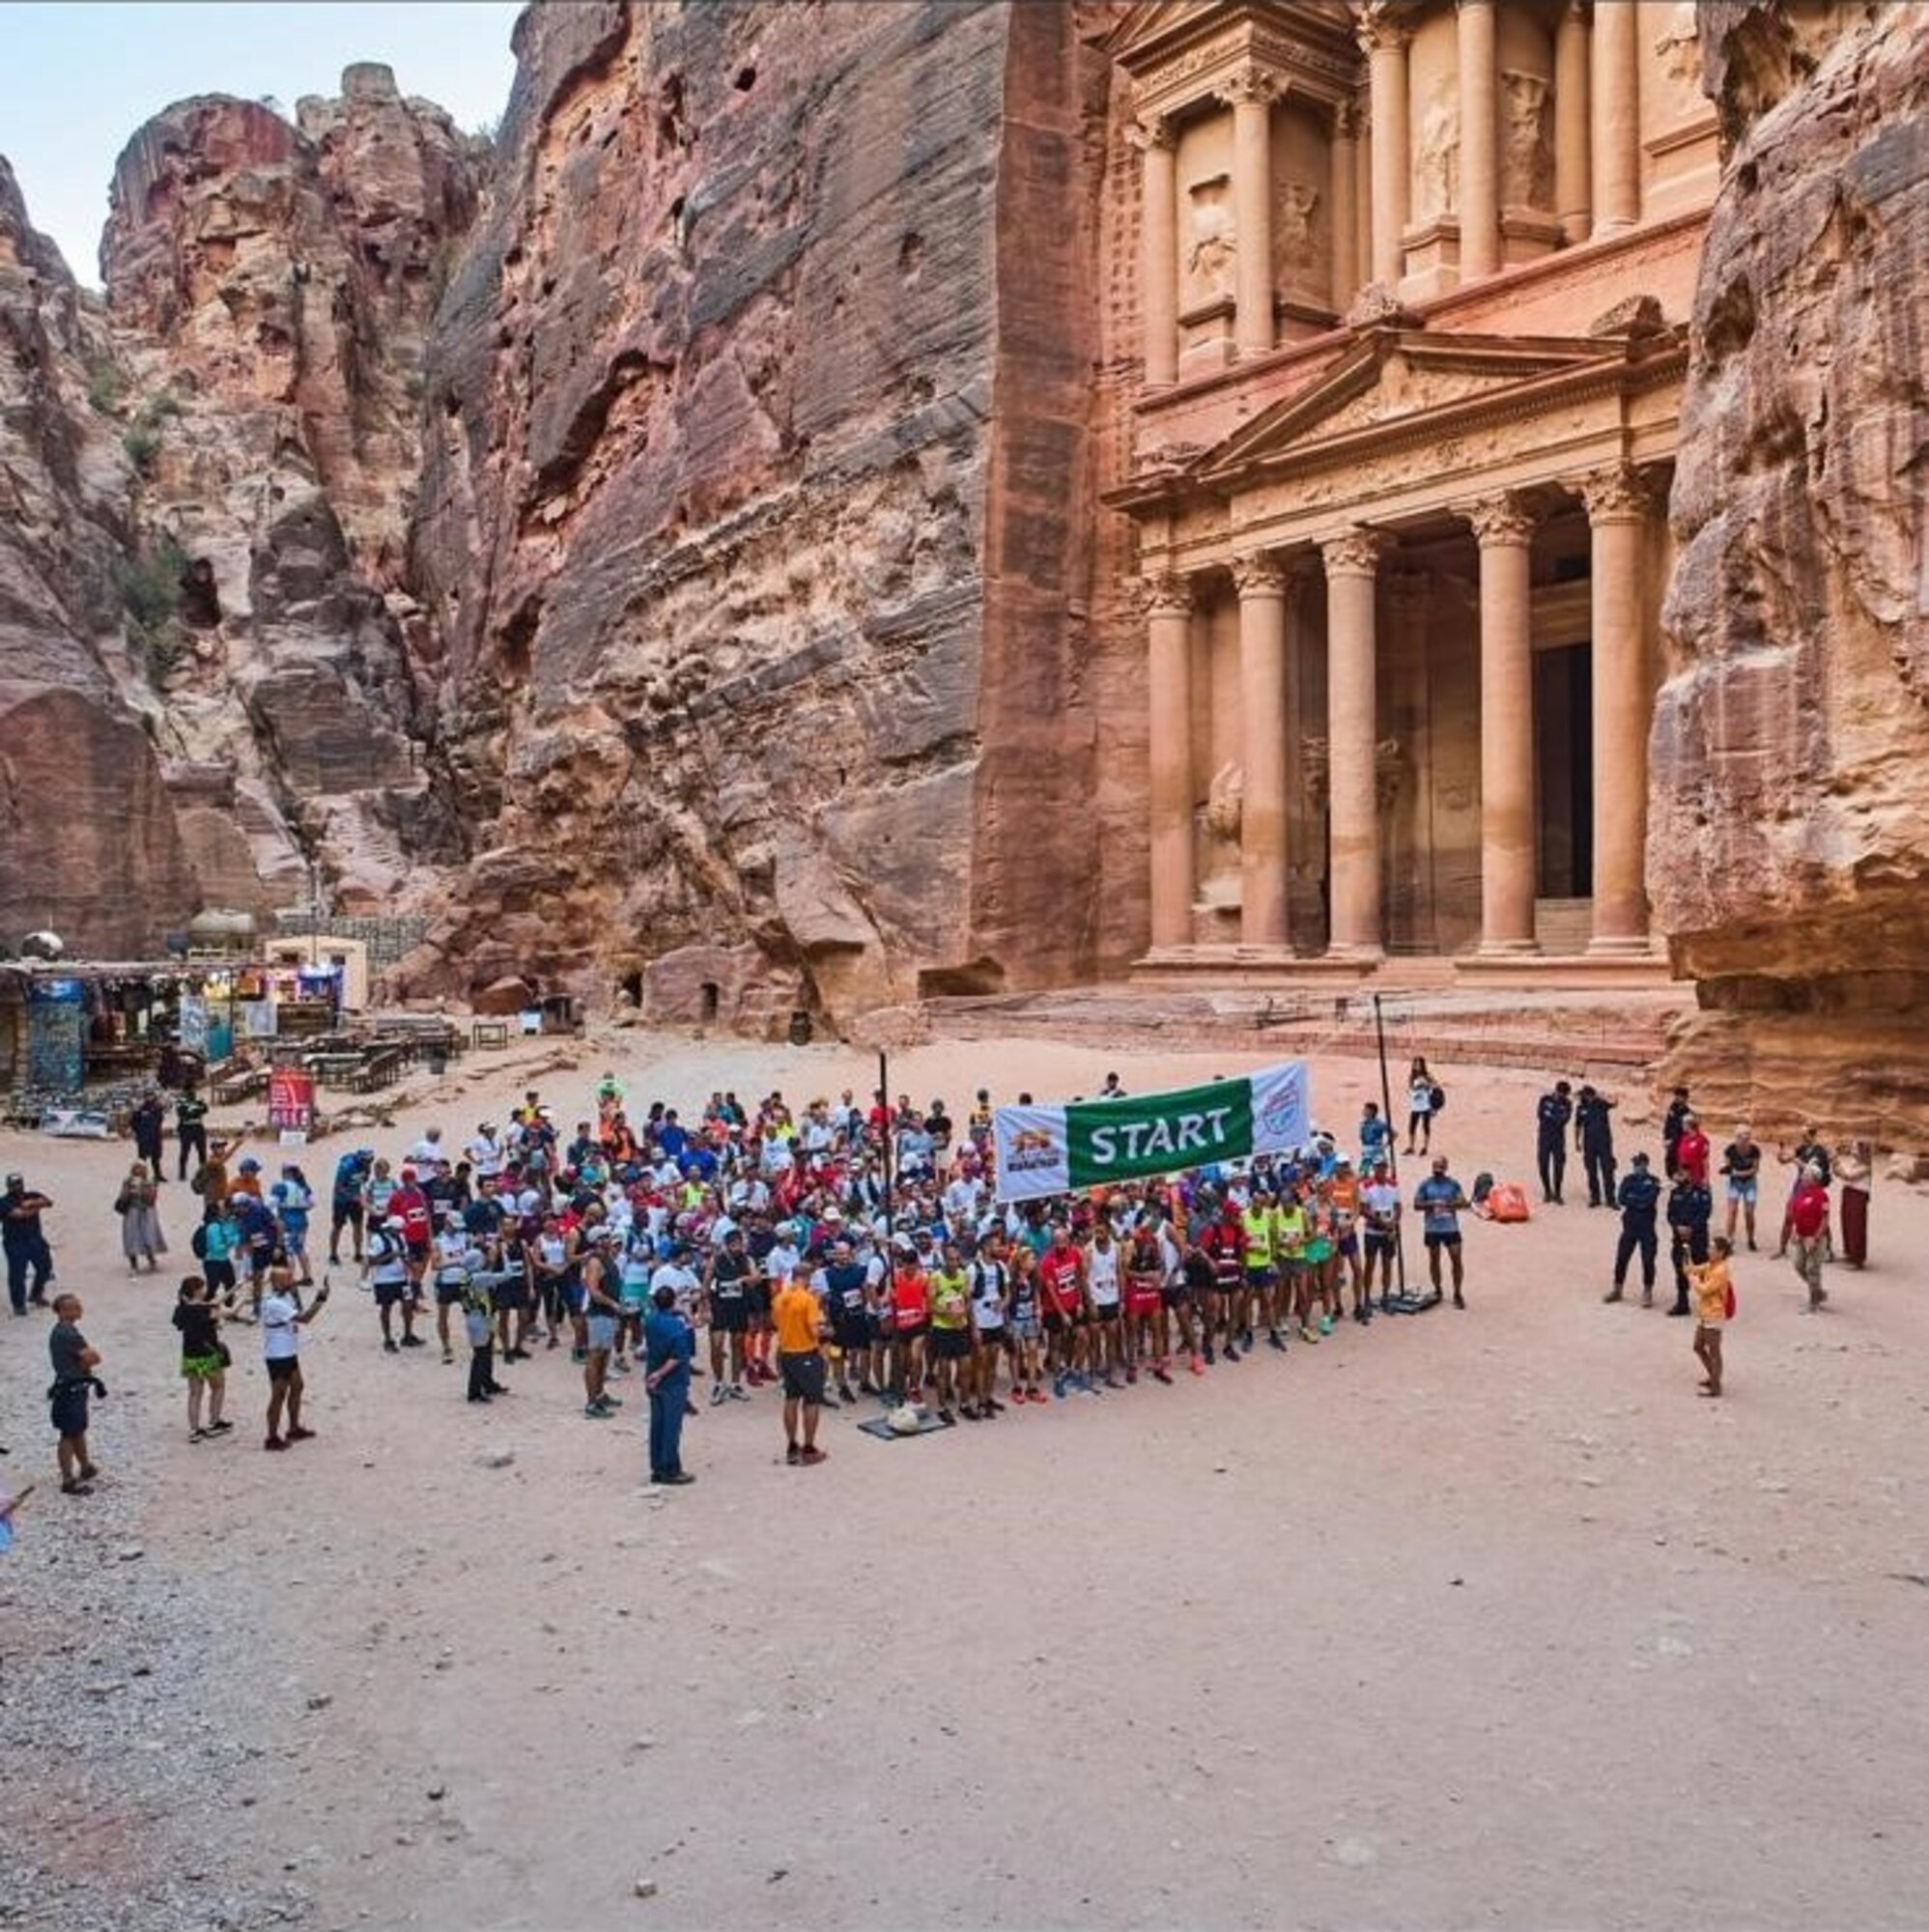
<point x="727" y="1282"/>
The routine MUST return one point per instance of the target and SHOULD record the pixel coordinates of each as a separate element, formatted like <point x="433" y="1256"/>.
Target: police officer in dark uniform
<point x="1640" y="1201"/>
<point x="1690" y="1207"/>
<point x="1594" y="1136"/>
<point x="29" y="1258"/>
<point x="1552" y="1115"/>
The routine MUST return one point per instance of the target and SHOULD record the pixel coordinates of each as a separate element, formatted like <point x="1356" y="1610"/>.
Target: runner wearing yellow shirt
<point x="1293" y="1229"/>
<point x="951" y="1325"/>
<point x="1257" y="1290"/>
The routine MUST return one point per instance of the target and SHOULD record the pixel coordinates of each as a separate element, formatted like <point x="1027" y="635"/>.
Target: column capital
<point x="1356" y="552"/>
<point x="1616" y="493"/>
<point x="1149" y="131"/>
<point x="1348" y="120"/>
<point x="1499" y="520"/>
<point x="1250" y="82"/>
<point x="1167" y="595"/>
<point x="1379" y="30"/>
<point x="1258" y="573"/>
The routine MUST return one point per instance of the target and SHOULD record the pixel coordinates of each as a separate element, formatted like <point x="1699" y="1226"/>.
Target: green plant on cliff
<point x="143" y="438"/>
<point x="106" y="389"/>
<point x="150" y="583"/>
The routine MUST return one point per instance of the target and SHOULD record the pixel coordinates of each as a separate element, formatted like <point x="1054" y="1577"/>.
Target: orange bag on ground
<point x="1506" y="1200"/>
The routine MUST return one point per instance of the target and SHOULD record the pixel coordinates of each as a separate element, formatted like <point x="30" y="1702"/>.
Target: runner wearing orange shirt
<point x="797" y="1318"/>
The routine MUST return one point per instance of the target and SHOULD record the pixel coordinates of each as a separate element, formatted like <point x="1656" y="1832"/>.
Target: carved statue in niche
<point x="1528" y="150"/>
<point x="1436" y="154"/>
<point x="1293" y="229"/>
<point x="1212" y="246"/>
<point x="1221" y="818"/>
<point x="1679" y="45"/>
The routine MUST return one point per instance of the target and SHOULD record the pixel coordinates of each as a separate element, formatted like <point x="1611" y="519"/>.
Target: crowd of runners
<point x="843" y="1254"/>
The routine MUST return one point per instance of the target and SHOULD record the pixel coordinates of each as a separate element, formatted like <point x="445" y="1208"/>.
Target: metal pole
<point x="883" y="1101"/>
<point x="1392" y="1155"/>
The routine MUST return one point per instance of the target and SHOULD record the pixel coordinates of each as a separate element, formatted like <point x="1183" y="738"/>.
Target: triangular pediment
<point x="1154" y="29"/>
<point x="1395" y="375"/>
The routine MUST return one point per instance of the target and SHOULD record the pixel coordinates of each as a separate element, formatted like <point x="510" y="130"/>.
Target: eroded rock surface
<point x="1791" y="746"/>
<point x="751" y="519"/>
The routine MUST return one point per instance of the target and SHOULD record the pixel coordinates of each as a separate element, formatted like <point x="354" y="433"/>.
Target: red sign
<point x="291" y="1099"/>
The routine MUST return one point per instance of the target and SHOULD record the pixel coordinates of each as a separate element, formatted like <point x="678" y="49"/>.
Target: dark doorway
<point x="1564" y="772"/>
<point x="712" y="997"/>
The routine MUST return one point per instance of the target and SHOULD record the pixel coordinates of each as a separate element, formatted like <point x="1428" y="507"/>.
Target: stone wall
<point x="1790" y="806"/>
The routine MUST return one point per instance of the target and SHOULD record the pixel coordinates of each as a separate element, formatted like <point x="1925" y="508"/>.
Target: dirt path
<point x="1473" y="1619"/>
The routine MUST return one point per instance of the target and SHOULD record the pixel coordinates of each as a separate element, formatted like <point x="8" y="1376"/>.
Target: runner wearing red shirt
<point x="1691" y="1150"/>
<point x="910" y="1318"/>
<point x="411" y="1206"/>
<point x="1148" y="1334"/>
<point x="1062" y="1292"/>
<point x="1224" y="1245"/>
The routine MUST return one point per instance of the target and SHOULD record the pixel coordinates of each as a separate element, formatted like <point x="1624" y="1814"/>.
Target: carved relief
<point x="1225" y="802"/>
<point x="1356" y="552"/>
<point x="1500" y="520"/>
<point x="1436" y="154"/>
<point x="1317" y="774"/>
<point x="1212" y="244"/>
<point x="1313" y="769"/>
<point x="1386" y="772"/>
<point x="1293" y="244"/>
<point x="1258" y="574"/>
<point x="1379" y="27"/>
<point x="1679" y="45"/>
<point x="1617" y="493"/>
<point x="1168" y="596"/>
<point x="1248" y="83"/>
<point x="1527" y="148"/>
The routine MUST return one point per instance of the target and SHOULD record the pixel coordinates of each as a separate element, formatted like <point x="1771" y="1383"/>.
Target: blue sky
<point x="77" y="79"/>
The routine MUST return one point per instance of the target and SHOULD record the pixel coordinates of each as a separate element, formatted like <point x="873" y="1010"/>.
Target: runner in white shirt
<point x="451" y="1263"/>
<point x="485" y="1153"/>
<point x="282" y="1320"/>
<point x="1102" y="1282"/>
<point x="990" y="1286"/>
<point x="676" y="1275"/>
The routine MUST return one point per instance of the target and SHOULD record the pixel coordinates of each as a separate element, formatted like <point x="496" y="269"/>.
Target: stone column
<point x="1384" y="39"/>
<point x="1168" y="683"/>
<point x="1617" y="506"/>
<point x="1616" y="117"/>
<point x="1572" y="200"/>
<point x="1251" y="92"/>
<point x="1503" y="531"/>
<point x="1344" y="199"/>
<point x="1480" y="136"/>
<point x="1353" y="742"/>
<point x="1263" y="728"/>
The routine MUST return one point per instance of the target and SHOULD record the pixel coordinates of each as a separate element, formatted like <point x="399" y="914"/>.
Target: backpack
<point x="1439" y="1098"/>
<point x="198" y="1241"/>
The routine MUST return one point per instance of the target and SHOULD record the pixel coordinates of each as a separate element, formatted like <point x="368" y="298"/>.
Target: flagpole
<point x="1392" y="1155"/>
<point x="884" y="1101"/>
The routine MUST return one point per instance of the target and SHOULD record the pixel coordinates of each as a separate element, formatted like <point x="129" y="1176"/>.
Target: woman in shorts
<point x="204" y="1358"/>
<point x="1024" y="1325"/>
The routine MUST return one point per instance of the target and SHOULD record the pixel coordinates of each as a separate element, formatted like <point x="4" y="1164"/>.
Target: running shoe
<point x="1325" y="1325"/>
<point x="716" y="1396"/>
<point x="1057" y="1388"/>
<point x="1309" y="1334"/>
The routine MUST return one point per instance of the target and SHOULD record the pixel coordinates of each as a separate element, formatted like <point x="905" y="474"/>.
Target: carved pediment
<point x="1395" y="377"/>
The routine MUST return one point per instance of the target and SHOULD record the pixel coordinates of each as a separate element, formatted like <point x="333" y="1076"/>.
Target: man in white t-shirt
<point x="485" y="1153"/>
<point x="679" y="1278"/>
<point x="1379" y="1211"/>
<point x="282" y="1320"/>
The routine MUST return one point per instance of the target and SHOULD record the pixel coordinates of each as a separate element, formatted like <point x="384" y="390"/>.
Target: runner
<point x="1439" y="1203"/>
<point x="727" y="1284"/>
<point x="282" y="1320"/>
<point x="1026" y="1327"/>
<point x="1104" y="1289"/>
<point x="990" y="1292"/>
<point x="387" y="1266"/>
<point x="799" y="1360"/>
<point x="1146" y="1340"/>
<point x="951" y="1329"/>
<point x="1062" y="1300"/>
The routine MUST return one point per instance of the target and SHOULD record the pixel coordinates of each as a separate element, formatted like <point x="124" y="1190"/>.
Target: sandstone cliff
<point x="88" y="841"/>
<point x="1790" y="747"/>
<point x="755" y="519"/>
<point x="271" y="286"/>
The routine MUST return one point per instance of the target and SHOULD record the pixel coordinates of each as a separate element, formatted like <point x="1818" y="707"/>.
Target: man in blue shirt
<point x="1439" y="1203"/>
<point x="1638" y="1198"/>
<point x="669" y="1346"/>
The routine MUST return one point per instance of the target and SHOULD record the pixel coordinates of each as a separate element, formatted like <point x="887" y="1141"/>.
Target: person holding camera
<point x="282" y="1320"/>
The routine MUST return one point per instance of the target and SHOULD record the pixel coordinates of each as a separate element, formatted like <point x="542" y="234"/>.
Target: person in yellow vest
<point x="1293" y="1230"/>
<point x="1259" y="1285"/>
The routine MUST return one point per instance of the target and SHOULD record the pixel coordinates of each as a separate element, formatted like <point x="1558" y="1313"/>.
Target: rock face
<point x="88" y="842"/>
<point x="755" y="522"/>
<point x="1791" y="746"/>
<point x="270" y="287"/>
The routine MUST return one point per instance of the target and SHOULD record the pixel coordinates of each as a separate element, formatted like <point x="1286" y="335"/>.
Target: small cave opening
<point x="200" y="596"/>
<point x="746" y="78"/>
<point x="710" y="998"/>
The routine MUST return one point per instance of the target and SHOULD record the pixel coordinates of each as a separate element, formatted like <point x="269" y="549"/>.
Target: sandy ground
<point x="1475" y="1619"/>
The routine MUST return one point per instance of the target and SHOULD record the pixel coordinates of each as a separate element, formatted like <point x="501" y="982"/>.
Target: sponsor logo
<point x="1033" y="1148"/>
